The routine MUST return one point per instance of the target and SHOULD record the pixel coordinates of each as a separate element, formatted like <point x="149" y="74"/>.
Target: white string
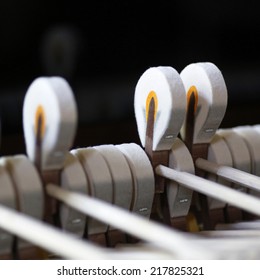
<point x="65" y="245"/>
<point x="236" y="248"/>
<point x="47" y="237"/>
<point x="231" y="174"/>
<point x="246" y="233"/>
<point x="180" y="245"/>
<point x="248" y="225"/>
<point x="160" y="236"/>
<point x="212" y="189"/>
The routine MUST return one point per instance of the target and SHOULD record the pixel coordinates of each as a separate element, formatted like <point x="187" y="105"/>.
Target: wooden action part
<point x="160" y="208"/>
<point x="51" y="206"/>
<point x="212" y="189"/>
<point x="206" y="105"/>
<point x="160" y="110"/>
<point x="160" y="236"/>
<point x="197" y="150"/>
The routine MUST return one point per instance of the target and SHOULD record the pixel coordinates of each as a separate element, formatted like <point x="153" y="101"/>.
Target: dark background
<point x="103" y="47"/>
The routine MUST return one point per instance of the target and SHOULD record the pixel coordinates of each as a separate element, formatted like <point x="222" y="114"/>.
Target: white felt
<point x="28" y="183"/>
<point x="239" y="152"/>
<point x="120" y="173"/>
<point x="179" y="197"/>
<point x="57" y="100"/>
<point x="168" y="87"/>
<point x="73" y="178"/>
<point x="252" y="140"/>
<point x="143" y="178"/>
<point x="219" y="153"/>
<point x="99" y="179"/>
<point x="7" y="198"/>
<point x="212" y="99"/>
<point x="256" y="127"/>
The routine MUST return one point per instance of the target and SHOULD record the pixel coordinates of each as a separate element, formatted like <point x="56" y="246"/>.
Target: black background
<point x="109" y="44"/>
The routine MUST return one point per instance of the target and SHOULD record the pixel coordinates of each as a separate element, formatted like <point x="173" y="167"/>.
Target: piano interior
<point x="129" y="133"/>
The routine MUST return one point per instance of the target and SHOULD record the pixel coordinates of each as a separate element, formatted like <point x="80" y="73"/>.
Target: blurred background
<point x="103" y="47"/>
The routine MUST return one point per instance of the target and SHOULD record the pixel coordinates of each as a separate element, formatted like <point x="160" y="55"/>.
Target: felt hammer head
<point x="165" y="87"/>
<point x="49" y="102"/>
<point x="207" y="82"/>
